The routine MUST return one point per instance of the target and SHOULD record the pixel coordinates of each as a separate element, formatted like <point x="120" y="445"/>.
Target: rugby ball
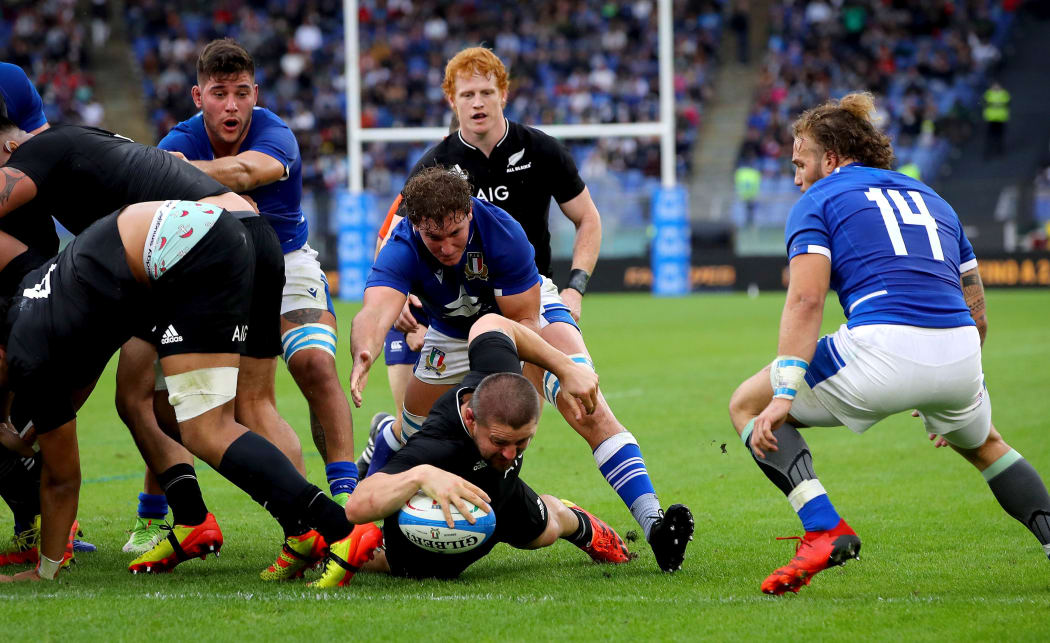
<point x="423" y="523"/>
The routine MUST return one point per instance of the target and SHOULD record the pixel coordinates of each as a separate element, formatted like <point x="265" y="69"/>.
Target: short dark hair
<point x="223" y="57"/>
<point x="7" y="124"/>
<point x="433" y="195"/>
<point x="505" y="398"/>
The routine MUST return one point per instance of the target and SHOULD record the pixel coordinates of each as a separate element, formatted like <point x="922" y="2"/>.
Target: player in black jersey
<point x="49" y="174"/>
<point x="183" y="266"/>
<point x="470" y="451"/>
<point x="520" y="169"/>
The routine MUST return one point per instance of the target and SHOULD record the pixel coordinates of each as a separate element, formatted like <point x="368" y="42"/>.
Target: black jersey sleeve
<point x="41" y="156"/>
<point x="562" y="175"/>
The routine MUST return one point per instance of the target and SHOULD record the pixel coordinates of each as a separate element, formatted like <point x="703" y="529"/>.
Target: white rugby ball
<point x="423" y="524"/>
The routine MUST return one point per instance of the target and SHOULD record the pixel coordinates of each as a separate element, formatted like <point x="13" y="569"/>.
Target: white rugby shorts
<point x="444" y="360"/>
<point x="305" y="284"/>
<point x="861" y="375"/>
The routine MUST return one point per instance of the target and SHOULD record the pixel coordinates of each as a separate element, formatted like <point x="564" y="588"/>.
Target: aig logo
<point x="498" y="193"/>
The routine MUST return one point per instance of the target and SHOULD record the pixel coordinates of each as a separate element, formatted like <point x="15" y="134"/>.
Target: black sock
<point x="790" y="464"/>
<point x="184" y="495"/>
<point x="259" y="468"/>
<point x="581" y="537"/>
<point x="1021" y="492"/>
<point x="20" y="486"/>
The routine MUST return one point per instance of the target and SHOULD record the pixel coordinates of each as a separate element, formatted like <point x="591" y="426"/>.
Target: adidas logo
<point x="170" y="336"/>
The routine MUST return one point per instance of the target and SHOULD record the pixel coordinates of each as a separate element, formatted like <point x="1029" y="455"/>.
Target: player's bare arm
<point x="245" y="171"/>
<point x="584" y="215"/>
<point x="579" y="381"/>
<point x="799" y="332"/>
<point x="382" y="494"/>
<point x="380" y="307"/>
<point x="16" y="189"/>
<point x="973" y="293"/>
<point x="523" y="307"/>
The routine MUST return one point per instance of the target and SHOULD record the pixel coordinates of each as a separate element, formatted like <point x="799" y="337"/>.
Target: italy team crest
<point x="436" y="360"/>
<point x="476" y="268"/>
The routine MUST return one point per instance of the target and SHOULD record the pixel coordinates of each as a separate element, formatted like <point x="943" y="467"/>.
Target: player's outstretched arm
<point x="973" y="293"/>
<point x="579" y="381"/>
<point x="381" y="306"/>
<point x="584" y="215"/>
<point x="59" y="488"/>
<point x="245" y="171"/>
<point x="799" y="332"/>
<point x="381" y="494"/>
<point x="523" y="307"/>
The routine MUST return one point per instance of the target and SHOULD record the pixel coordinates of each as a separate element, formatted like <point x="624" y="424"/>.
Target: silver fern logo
<point x="514" y="158"/>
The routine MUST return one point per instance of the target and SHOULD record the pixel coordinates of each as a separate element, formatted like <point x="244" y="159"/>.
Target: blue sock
<point x="818" y="514"/>
<point x="342" y="477"/>
<point x="620" y="461"/>
<point x="387" y="445"/>
<point x="154" y="506"/>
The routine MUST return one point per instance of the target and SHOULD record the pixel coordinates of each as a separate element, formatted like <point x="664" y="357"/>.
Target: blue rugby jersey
<point x="23" y="102"/>
<point x="897" y="249"/>
<point x="498" y="261"/>
<point x="279" y="201"/>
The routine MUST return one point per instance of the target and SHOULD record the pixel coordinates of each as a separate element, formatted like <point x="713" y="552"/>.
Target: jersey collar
<point x="506" y="132"/>
<point x="842" y="167"/>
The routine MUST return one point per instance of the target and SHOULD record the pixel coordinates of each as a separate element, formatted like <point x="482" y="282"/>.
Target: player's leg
<point x="400" y="362"/>
<point x="134" y="402"/>
<point x="616" y="451"/>
<point x="308" y="337"/>
<point x="1014" y="482"/>
<point x="829" y="540"/>
<point x="256" y="408"/>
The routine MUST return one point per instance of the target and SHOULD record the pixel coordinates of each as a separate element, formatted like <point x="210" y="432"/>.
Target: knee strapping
<point x="197" y="392"/>
<point x="317" y="336"/>
<point x="551" y="385"/>
<point x="410" y="424"/>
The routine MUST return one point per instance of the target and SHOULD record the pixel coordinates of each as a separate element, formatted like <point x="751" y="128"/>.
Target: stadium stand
<point x="926" y="62"/>
<point x="52" y="44"/>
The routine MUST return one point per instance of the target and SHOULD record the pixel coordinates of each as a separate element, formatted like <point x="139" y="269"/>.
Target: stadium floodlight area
<point x="669" y="204"/>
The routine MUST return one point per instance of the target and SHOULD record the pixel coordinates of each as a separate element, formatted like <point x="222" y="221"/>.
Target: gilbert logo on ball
<point x="423" y="524"/>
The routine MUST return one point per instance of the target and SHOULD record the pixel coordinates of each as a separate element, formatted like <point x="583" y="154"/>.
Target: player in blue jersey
<point x="463" y="258"/>
<point x="20" y="101"/>
<point x="907" y="279"/>
<point x="252" y="151"/>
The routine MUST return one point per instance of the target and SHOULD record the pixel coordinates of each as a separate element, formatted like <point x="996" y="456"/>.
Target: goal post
<point x="669" y="251"/>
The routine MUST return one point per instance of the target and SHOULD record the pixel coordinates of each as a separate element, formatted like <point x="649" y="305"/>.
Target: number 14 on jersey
<point x="908" y="217"/>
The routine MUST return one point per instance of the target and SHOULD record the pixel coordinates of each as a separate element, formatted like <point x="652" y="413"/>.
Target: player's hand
<point x="414" y="339"/>
<point x="581" y="383"/>
<point x="28" y="575"/>
<point x="11" y="441"/>
<point x="574" y="300"/>
<point x="449" y="489"/>
<point x="405" y="322"/>
<point x="178" y="155"/>
<point x="938" y="441"/>
<point x="762" y="438"/>
<point x="359" y="376"/>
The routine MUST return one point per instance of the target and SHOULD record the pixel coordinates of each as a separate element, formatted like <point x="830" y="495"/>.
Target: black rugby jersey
<point x="525" y="170"/>
<point x="85" y="173"/>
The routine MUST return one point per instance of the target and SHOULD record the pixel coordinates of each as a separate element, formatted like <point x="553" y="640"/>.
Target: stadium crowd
<point x="53" y="45"/>
<point x="927" y="63"/>
<point x="583" y="61"/>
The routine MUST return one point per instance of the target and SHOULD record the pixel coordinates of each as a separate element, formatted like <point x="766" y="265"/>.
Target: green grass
<point x="940" y="559"/>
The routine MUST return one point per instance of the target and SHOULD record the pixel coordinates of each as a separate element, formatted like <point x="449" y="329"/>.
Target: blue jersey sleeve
<point x="394" y="266"/>
<point x="178" y="140"/>
<point x="806" y="230"/>
<point x="278" y="142"/>
<point x="967" y="258"/>
<point x="24" y="105"/>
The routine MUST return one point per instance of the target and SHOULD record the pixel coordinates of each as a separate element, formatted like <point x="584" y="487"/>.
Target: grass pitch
<point x="940" y="559"/>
